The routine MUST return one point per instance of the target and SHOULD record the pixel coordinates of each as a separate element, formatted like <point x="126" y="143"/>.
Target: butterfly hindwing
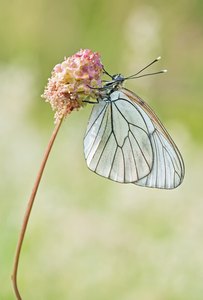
<point x="168" y="167"/>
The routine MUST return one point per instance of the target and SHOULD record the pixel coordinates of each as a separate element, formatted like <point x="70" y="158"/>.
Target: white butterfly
<point x="126" y="142"/>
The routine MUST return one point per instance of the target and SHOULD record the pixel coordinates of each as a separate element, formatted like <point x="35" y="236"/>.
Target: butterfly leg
<point x="91" y="102"/>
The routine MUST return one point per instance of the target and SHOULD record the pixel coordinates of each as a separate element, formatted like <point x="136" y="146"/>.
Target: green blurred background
<point x="90" y="238"/>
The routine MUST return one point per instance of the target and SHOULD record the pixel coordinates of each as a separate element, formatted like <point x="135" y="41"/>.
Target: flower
<point x="74" y="81"/>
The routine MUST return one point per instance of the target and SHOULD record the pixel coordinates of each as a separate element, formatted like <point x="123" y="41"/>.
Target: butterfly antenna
<point x="148" y="74"/>
<point x="147" y="66"/>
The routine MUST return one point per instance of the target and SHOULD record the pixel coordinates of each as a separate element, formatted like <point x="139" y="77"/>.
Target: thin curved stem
<point x="29" y="209"/>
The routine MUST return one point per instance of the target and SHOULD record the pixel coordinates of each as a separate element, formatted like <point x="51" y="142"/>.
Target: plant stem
<point x="29" y="209"/>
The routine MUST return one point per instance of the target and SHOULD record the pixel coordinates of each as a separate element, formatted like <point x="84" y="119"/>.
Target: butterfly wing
<point x="117" y="143"/>
<point x="126" y="142"/>
<point x="168" y="166"/>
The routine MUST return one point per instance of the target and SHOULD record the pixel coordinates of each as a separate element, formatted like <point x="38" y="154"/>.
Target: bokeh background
<point x="90" y="238"/>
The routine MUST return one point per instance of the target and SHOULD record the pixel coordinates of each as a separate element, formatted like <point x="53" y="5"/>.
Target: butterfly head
<point x="115" y="82"/>
<point x="118" y="78"/>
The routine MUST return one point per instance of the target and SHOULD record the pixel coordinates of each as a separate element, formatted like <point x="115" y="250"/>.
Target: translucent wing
<point x="168" y="168"/>
<point x="117" y="143"/>
<point x="126" y="142"/>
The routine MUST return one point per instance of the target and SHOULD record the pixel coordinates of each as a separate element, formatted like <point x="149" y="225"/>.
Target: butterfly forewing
<point x="117" y="144"/>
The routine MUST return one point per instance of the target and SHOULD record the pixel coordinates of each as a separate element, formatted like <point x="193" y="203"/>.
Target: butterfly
<point x="126" y="142"/>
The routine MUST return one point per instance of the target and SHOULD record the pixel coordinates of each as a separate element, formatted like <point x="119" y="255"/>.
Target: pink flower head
<point x="72" y="81"/>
